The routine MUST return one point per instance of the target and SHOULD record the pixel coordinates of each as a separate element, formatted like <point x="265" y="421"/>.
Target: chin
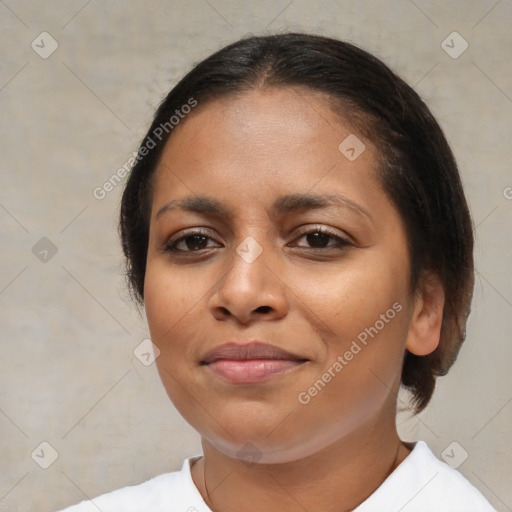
<point x="263" y="450"/>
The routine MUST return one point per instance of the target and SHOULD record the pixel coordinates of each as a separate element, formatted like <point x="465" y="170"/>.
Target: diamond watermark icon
<point x="351" y="147"/>
<point x="146" y="352"/>
<point x="454" y="45"/>
<point x="454" y="455"/>
<point x="44" y="45"/>
<point x="249" y="249"/>
<point x="44" y="455"/>
<point x="44" y="250"/>
<point x="249" y="454"/>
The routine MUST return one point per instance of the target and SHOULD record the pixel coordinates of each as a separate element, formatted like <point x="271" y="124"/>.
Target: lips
<point x="250" y="363"/>
<point x="252" y="350"/>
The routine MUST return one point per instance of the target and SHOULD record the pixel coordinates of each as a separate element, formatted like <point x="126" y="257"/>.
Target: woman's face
<point x="263" y="228"/>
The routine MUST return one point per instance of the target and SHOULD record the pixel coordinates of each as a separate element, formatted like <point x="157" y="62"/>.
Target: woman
<point x="296" y="230"/>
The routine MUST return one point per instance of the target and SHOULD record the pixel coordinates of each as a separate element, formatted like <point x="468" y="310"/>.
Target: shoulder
<point x="447" y="485"/>
<point x="156" y="494"/>
<point x="423" y="483"/>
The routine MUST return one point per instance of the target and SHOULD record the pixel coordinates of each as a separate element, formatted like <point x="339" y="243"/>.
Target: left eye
<point x="319" y="238"/>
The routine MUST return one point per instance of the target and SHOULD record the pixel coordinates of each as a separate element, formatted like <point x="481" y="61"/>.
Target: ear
<point x="425" y="324"/>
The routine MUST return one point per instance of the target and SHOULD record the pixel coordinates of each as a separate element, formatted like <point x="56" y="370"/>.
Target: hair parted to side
<point x="417" y="168"/>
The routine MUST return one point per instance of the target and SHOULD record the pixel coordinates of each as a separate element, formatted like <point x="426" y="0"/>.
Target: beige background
<point x="68" y="373"/>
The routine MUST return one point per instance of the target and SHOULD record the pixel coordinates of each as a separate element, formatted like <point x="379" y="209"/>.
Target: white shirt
<point x="420" y="483"/>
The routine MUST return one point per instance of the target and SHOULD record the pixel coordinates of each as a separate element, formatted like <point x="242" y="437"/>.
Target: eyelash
<point x="341" y="242"/>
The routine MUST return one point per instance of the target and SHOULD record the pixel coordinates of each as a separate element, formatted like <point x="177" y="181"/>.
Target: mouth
<point x="250" y="363"/>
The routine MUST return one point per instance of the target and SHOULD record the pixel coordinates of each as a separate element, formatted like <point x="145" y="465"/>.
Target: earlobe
<point x="425" y="324"/>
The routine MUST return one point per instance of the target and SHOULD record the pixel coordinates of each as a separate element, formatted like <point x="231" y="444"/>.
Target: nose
<point x="249" y="290"/>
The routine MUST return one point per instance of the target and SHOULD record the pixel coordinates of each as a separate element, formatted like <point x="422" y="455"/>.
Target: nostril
<point x="263" y="309"/>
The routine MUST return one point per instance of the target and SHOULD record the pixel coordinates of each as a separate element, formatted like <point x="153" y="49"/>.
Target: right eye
<point x="192" y="241"/>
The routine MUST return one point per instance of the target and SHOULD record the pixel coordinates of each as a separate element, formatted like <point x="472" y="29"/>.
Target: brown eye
<point x="195" y="242"/>
<point x="318" y="239"/>
<point x="192" y="242"/>
<point x="321" y="238"/>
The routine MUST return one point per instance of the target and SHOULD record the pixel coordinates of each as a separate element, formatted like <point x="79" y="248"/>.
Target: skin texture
<point x="245" y="152"/>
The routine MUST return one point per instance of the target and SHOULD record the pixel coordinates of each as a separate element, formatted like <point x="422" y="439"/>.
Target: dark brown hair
<point x="417" y="168"/>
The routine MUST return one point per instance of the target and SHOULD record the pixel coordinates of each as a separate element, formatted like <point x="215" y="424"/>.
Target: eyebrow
<point x="285" y="204"/>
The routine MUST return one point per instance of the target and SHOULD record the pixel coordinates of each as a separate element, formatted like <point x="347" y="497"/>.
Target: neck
<point x="337" y="478"/>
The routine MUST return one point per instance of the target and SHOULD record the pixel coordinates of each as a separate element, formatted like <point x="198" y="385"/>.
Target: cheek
<point x="350" y="298"/>
<point x="362" y="315"/>
<point x="166" y="305"/>
<point x="175" y="305"/>
<point x="358" y="379"/>
<point x="171" y="304"/>
<point x="169" y="296"/>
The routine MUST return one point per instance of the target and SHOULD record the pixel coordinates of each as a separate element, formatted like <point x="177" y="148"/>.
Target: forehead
<point x="266" y="142"/>
<point x="270" y="116"/>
